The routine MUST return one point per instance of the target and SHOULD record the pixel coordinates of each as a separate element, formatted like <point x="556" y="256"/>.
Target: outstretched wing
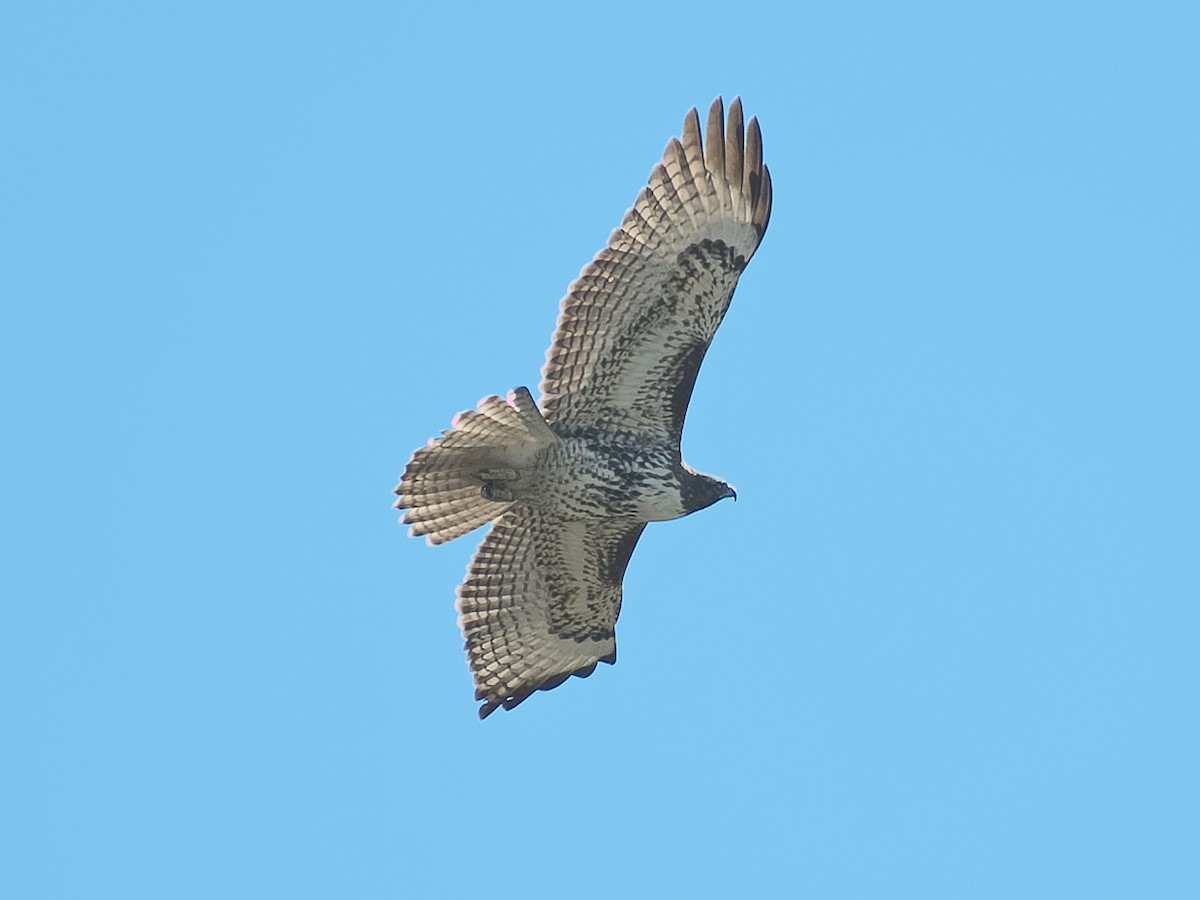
<point x="634" y="327"/>
<point x="540" y="602"/>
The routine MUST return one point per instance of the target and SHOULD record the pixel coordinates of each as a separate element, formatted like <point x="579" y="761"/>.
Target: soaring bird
<point x="569" y="483"/>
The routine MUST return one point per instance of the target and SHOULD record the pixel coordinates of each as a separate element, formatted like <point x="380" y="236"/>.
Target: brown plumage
<point x="570" y="488"/>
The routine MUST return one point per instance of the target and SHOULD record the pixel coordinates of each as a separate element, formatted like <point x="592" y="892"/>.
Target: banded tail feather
<point x="462" y="479"/>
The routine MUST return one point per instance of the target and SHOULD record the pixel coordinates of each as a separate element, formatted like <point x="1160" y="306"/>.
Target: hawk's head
<point x="699" y="491"/>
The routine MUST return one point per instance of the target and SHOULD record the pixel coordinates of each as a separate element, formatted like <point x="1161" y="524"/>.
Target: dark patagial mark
<point x="622" y="551"/>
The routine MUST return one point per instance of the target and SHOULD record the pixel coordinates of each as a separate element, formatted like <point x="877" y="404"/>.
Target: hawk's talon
<point x="492" y="491"/>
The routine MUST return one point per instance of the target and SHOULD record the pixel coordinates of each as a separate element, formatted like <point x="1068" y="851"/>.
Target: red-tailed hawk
<point x="570" y="488"/>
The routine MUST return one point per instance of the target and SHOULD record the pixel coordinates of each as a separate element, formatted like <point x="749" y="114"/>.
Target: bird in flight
<point x="570" y="483"/>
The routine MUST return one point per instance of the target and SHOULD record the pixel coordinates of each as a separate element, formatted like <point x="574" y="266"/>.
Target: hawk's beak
<point x="732" y="493"/>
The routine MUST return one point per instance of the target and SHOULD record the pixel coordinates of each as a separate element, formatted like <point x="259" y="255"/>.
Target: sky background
<point x="944" y="644"/>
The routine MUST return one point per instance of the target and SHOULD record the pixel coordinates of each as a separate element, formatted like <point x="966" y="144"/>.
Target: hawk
<point x="570" y="483"/>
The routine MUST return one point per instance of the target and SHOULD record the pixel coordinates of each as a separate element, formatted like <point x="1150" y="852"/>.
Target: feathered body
<point x="601" y="475"/>
<point x="569" y="487"/>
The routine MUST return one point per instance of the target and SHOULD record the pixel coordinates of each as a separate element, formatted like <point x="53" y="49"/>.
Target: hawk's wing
<point x="635" y="325"/>
<point x="540" y="602"/>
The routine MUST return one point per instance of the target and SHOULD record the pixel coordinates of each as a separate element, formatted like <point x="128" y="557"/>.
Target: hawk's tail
<point x="467" y="476"/>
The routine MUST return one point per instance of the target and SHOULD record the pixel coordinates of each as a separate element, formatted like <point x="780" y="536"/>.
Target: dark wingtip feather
<point x="762" y="206"/>
<point x="754" y="154"/>
<point x="691" y="129"/>
<point x="714" y="137"/>
<point x="516" y="698"/>
<point x="735" y="143"/>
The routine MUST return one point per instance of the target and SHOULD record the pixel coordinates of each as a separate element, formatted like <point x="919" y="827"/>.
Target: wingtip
<point x="691" y="128"/>
<point x="493" y="701"/>
<point x="762" y="210"/>
<point x="735" y="144"/>
<point x="714" y="140"/>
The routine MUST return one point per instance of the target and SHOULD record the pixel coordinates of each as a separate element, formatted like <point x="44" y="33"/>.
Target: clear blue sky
<point x="943" y="646"/>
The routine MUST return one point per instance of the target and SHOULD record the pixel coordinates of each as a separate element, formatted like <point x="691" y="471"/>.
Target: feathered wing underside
<point x="634" y="327"/>
<point x="540" y="603"/>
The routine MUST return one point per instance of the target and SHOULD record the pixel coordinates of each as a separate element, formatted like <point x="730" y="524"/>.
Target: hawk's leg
<point x="493" y="491"/>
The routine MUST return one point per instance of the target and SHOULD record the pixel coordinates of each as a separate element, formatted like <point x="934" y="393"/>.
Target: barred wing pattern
<point x="540" y="603"/>
<point x="543" y="592"/>
<point x="634" y="327"/>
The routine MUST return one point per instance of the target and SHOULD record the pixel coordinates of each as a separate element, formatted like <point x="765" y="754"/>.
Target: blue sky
<point x="944" y="644"/>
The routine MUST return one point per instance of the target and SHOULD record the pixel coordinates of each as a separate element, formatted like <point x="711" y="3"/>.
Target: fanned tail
<point x="466" y="477"/>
